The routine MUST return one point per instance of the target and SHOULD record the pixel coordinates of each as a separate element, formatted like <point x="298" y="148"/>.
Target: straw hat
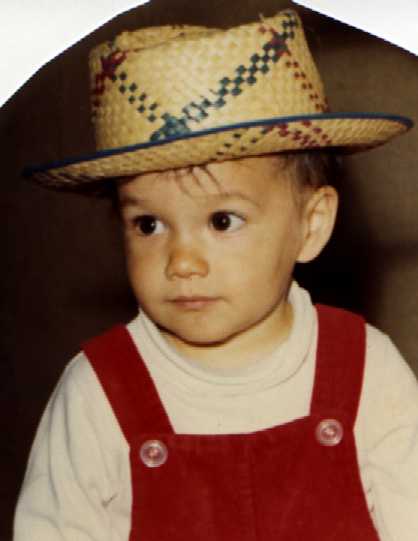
<point x="168" y="97"/>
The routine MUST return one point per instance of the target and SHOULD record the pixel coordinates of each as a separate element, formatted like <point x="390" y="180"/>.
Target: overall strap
<point x="127" y="383"/>
<point x="340" y="362"/>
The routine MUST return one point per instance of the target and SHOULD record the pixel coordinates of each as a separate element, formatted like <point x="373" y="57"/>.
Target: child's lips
<point x="193" y="302"/>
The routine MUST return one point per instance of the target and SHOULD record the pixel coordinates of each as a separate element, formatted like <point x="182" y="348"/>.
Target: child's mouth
<point x="193" y="302"/>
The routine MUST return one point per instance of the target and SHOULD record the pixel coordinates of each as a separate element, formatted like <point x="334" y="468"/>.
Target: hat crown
<point x="158" y="83"/>
<point x="145" y="38"/>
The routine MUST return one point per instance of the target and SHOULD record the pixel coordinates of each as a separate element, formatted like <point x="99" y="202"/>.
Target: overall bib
<point x="293" y="482"/>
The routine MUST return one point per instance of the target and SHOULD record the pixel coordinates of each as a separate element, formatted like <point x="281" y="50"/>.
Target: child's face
<point x="210" y="252"/>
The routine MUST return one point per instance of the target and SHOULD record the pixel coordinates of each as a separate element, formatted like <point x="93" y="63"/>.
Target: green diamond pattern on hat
<point x="227" y="86"/>
<point x="135" y="97"/>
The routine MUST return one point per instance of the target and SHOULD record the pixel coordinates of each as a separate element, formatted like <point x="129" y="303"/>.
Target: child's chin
<point x="198" y="337"/>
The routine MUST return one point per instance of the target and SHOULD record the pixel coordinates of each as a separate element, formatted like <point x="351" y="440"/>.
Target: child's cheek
<point x="144" y="260"/>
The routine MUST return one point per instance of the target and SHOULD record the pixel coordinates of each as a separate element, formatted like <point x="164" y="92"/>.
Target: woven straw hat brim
<point x="351" y="132"/>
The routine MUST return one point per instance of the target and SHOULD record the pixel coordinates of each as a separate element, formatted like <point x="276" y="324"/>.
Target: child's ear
<point x="319" y="213"/>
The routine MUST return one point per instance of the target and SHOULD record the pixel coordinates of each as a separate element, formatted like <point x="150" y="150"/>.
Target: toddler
<point x="230" y="407"/>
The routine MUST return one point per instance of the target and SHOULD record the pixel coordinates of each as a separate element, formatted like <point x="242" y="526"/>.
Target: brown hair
<point x="313" y="168"/>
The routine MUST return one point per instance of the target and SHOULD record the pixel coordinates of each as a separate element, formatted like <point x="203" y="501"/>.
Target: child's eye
<point x="226" y="221"/>
<point x="148" y="225"/>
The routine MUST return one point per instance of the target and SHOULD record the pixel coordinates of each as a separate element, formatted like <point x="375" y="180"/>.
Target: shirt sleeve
<point x="71" y="475"/>
<point x="388" y="428"/>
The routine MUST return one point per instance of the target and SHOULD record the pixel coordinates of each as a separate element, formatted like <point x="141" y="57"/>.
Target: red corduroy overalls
<point x="297" y="481"/>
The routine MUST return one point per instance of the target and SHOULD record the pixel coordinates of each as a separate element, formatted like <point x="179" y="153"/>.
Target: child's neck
<point x="243" y="349"/>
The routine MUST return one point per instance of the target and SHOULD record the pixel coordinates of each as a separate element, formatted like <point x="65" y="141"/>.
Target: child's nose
<point x="186" y="261"/>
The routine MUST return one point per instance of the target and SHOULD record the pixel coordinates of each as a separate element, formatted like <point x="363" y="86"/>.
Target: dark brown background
<point x="62" y="263"/>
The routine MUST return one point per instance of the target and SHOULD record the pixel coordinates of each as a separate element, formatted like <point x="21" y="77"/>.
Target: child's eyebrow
<point x="236" y="195"/>
<point x="130" y="201"/>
